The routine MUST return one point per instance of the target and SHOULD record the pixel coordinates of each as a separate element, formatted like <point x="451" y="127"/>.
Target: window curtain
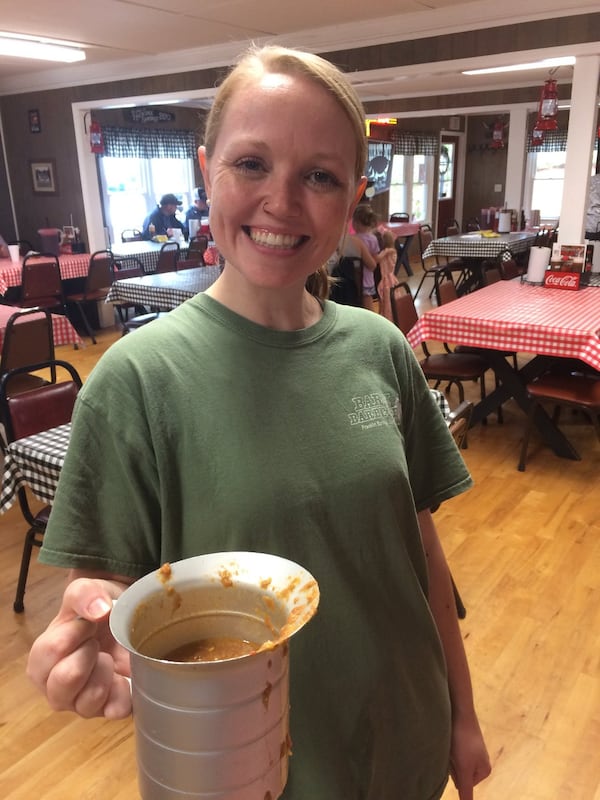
<point x="414" y="143"/>
<point x="148" y="143"/>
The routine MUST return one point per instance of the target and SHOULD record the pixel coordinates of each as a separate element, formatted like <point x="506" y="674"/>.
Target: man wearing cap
<point x="163" y="219"/>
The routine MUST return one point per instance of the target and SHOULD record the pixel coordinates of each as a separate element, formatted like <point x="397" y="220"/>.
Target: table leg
<point x="513" y="385"/>
<point x="402" y="251"/>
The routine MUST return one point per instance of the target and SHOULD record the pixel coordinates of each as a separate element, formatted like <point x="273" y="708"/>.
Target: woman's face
<point x="281" y="180"/>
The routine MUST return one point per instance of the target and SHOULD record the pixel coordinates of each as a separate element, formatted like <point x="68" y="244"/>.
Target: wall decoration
<point x="35" y="125"/>
<point x="379" y="165"/>
<point x="43" y="176"/>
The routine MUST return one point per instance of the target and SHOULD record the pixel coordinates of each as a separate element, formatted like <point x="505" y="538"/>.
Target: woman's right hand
<point x="76" y="662"/>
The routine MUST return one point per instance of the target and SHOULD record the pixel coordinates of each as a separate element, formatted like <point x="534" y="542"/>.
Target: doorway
<point x="448" y="169"/>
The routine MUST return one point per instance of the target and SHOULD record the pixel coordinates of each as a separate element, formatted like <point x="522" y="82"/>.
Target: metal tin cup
<point x="213" y="729"/>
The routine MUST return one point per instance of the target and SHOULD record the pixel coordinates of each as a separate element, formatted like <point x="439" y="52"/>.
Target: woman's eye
<point x="249" y="165"/>
<point x="322" y="179"/>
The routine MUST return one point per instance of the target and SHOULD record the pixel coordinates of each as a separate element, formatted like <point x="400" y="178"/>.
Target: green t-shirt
<point x="204" y="432"/>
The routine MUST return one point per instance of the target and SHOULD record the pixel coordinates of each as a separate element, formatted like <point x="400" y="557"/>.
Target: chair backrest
<point x="425" y="238"/>
<point x="510" y="269"/>
<point x="445" y="292"/>
<point x="491" y="274"/>
<point x="400" y="216"/>
<point x="453" y="228"/>
<point x="168" y="257"/>
<point x="28" y="339"/>
<point x="42" y="408"/>
<point x="347" y="286"/>
<point x="131" y="235"/>
<point x="128" y="267"/>
<point x="101" y="271"/>
<point x="473" y="224"/>
<point x="197" y="247"/>
<point x="41" y="283"/>
<point x="404" y="312"/>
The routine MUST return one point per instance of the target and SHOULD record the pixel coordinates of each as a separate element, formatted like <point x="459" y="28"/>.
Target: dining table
<point x="34" y="461"/>
<point x="148" y="252"/>
<point x="404" y="233"/>
<point x="164" y="290"/>
<point x="475" y="247"/>
<point x="62" y="329"/>
<point x="72" y="265"/>
<point x="545" y="323"/>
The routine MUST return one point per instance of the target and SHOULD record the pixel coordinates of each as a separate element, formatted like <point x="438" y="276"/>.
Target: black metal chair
<point x="400" y="216"/>
<point x="26" y="414"/>
<point x="98" y="281"/>
<point x="41" y="283"/>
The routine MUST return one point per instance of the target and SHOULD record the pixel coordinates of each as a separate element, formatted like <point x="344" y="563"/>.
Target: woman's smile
<point x="275" y="241"/>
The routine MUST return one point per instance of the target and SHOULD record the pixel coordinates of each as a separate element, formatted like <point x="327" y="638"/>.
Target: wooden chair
<point x="490" y="273"/>
<point x="472" y="224"/>
<point x="41" y="283"/>
<point x="101" y="271"/>
<point x="28" y="339"/>
<point x="168" y="257"/>
<point x="450" y="367"/>
<point x="196" y="249"/>
<point x="131" y="235"/>
<point x="400" y="216"/>
<point x="572" y="390"/>
<point x="25" y="414"/>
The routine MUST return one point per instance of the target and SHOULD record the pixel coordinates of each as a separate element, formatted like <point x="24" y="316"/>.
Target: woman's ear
<point x="204" y="169"/>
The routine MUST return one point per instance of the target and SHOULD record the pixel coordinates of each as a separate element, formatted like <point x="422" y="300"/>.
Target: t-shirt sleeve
<point x="109" y="484"/>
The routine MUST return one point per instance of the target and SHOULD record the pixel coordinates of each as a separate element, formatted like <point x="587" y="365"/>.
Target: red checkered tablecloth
<point x="510" y="315"/>
<point x="64" y="332"/>
<point x="71" y="266"/>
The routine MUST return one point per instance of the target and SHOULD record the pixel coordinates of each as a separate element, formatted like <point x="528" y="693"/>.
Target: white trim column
<point x="580" y="142"/>
<point x="515" y="158"/>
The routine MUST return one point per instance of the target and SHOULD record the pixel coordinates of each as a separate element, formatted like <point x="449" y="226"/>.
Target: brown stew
<point x="213" y="648"/>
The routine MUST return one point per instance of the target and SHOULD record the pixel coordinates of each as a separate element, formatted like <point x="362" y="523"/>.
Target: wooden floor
<point x="524" y="549"/>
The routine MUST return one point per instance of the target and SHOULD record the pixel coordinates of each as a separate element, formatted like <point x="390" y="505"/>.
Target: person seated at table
<point x="4" y="252"/>
<point x="199" y="207"/>
<point x="364" y="222"/>
<point x="163" y="219"/>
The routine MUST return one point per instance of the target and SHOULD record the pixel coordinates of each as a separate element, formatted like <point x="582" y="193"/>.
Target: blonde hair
<point x="272" y="59"/>
<point x="387" y="237"/>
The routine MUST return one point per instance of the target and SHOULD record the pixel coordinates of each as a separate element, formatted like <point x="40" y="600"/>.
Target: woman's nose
<point x="282" y="197"/>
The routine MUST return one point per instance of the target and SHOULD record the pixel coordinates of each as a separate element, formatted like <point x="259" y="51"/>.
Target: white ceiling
<point x="133" y="38"/>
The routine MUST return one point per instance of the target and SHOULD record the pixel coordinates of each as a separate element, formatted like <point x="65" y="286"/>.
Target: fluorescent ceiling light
<point x="547" y="63"/>
<point x="39" y="47"/>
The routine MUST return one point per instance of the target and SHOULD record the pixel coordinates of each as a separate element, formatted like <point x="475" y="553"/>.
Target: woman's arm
<point x="76" y="662"/>
<point x="470" y="761"/>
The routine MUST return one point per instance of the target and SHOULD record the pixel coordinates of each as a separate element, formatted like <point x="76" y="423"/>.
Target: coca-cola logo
<point x="562" y="280"/>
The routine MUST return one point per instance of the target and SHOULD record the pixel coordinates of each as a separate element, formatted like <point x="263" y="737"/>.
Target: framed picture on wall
<point x="43" y="176"/>
<point x="35" y="125"/>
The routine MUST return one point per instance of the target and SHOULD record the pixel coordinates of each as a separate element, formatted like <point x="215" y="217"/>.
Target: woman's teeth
<point x="268" y="239"/>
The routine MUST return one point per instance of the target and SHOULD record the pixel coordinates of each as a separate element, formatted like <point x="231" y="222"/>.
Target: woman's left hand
<point x="469" y="759"/>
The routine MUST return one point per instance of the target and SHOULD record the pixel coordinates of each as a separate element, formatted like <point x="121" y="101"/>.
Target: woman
<point x="259" y="416"/>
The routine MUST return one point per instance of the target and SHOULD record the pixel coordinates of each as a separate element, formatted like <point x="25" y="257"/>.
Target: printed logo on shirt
<point x="375" y="410"/>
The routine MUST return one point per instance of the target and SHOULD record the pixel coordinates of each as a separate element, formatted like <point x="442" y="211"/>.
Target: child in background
<point x="364" y="222"/>
<point x="387" y="265"/>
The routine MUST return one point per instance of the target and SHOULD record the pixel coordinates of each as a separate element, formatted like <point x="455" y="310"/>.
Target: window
<point x="409" y="190"/>
<point x="131" y="188"/>
<point x="544" y="179"/>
